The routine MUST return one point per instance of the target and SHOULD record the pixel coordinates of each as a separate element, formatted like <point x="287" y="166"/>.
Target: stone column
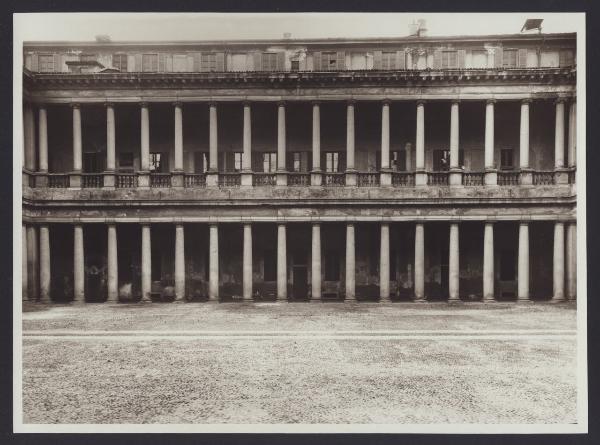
<point x="144" y="173"/>
<point x="420" y="174"/>
<point x="281" y="262"/>
<point x="177" y="174"/>
<point x="109" y="174"/>
<point x="44" y="264"/>
<point x="560" y="172"/>
<point x="526" y="176"/>
<point x="77" y="149"/>
<point x="179" y="262"/>
<point x="384" y="262"/>
<point x="32" y="263"/>
<point x="113" y="265"/>
<point x="29" y="137"/>
<point x="385" y="175"/>
<point x="247" y="146"/>
<point x="572" y="261"/>
<point x="572" y="159"/>
<point x="454" y="263"/>
<point x="247" y="263"/>
<point x="350" y="263"/>
<point x="491" y="174"/>
<point x="213" y="262"/>
<point x="42" y="179"/>
<point x="24" y="259"/>
<point x="281" y="166"/>
<point x="316" y="262"/>
<point x="488" y="262"/>
<point x="350" y="168"/>
<point x="315" y="177"/>
<point x="419" y="262"/>
<point x="212" y="176"/>
<point x="455" y="168"/>
<point x="558" y="281"/>
<point x="523" y="262"/>
<point x="146" y="263"/>
<point x="78" y="265"/>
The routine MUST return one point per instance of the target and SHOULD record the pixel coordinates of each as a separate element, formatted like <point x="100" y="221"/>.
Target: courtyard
<point x="243" y="363"/>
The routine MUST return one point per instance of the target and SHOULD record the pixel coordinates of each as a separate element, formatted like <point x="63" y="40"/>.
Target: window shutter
<point x="461" y="58"/>
<point x="437" y="59"/>
<point x="498" y="58"/>
<point x="161" y="62"/>
<point x="281" y="61"/>
<point x="256" y="57"/>
<point x="57" y="63"/>
<point x="196" y="64"/>
<point x="522" y="58"/>
<point x="565" y="58"/>
<point x="138" y="62"/>
<point x="34" y="62"/>
<point x="377" y="60"/>
<point x="400" y="60"/>
<point x="341" y="60"/>
<point x="220" y="62"/>
<point x="317" y="61"/>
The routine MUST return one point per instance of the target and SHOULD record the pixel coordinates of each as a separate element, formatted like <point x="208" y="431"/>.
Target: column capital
<point x="143" y="104"/>
<point x="315" y="103"/>
<point x="490" y="101"/>
<point x="213" y="103"/>
<point x="350" y="102"/>
<point x="281" y="103"/>
<point x="109" y="104"/>
<point x="246" y="103"/>
<point x="526" y="101"/>
<point x="421" y="102"/>
<point x="387" y="102"/>
<point x="41" y="105"/>
<point x="178" y="103"/>
<point x="213" y="224"/>
<point x="75" y="105"/>
<point x="560" y="100"/>
<point x="523" y="223"/>
<point x="455" y="101"/>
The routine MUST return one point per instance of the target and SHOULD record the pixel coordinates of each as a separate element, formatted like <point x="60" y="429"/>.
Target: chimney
<point x="422" y="28"/>
<point x="417" y="28"/>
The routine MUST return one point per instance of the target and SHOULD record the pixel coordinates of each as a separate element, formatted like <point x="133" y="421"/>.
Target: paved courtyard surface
<point x="299" y="363"/>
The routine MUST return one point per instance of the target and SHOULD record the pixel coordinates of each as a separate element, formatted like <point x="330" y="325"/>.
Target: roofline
<point x="324" y="41"/>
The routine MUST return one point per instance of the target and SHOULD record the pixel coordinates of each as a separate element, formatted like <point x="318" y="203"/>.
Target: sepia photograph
<point x="299" y="222"/>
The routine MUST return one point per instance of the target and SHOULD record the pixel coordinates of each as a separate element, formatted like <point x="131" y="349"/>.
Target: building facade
<point x="415" y="168"/>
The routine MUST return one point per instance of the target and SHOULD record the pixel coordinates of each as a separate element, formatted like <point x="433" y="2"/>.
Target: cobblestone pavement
<point x="299" y="363"/>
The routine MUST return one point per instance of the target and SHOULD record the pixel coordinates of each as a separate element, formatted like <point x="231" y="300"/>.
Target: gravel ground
<point x="525" y="379"/>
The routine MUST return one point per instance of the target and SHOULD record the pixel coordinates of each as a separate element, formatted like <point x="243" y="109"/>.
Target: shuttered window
<point x="269" y="61"/>
<point x="120" y="62"/>
<point x="449" y="59"/>
<point x="149" y="63"/>
<point x="509" y="58"/>
<point x="329" y="61"/>
<point x="46" y="63"/>
<point x="208" y="62"/>
<point x="388" y="60"/>
<point x="269" y="162"/>
<point x="565" y="57"/>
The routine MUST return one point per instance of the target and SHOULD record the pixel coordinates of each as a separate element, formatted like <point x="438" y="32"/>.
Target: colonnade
<point x="36" y="261"/>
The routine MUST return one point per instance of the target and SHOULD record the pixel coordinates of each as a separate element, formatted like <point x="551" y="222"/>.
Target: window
<point x="297" y="160"/>
<point x="179" y="63"/>
<point x="270" y="271"/>
<point x="388" y="60"/>
<point x="449" y="59"/>
<point x="126" y="161"/>
<point x="441" y="159"/>
<point x="506" y="159"/>
<point x="269" y="61"/>
<point x="269" y="162"/>
<point x="398" y="160"/>
<point x="208" y="62"/>
<point x="92" y="163"/>
<point x="509" y="58"/>
<point x="149" y="63"/>
<point x="200" y="161"/>
<point x="156" y="162"/>
<point x="88" y="57"/>
<point x="332" y="266"/>
<point x="120" y="61"/>
<point x="237" y="161"/>
<point x="565" y="57"/>
<point x="46" y="63"/>
<point x="332" y="162"/>
<point x="329" y="60"/>
<point x="507" y="265"/>
<point x="295" y="65"/>
<point x="479" y="59"/>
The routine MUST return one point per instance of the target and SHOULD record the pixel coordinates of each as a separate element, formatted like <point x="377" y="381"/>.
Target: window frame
<point x="121" y="57"/>
<point x="511" y="52"/>
<point x="156" y="162"/>
<point x="503" y="165"/>
<point x="41" y="64"/>
<point x="269" y="61"/>
<point x="144" y="56"/>
<point x="445" y="59"/>
<point x="332" y="157"/>
<point x="208" y="62"/>
<point x="327" y="57"/>
<point x="269" y="161"/>
<point x="388" y="60"/>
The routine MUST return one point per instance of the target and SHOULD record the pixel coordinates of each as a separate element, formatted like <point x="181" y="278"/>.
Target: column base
<point x="212" y="179"/>
<point x="490" y="177"/>
<point x="246" y="179"/>
<point x="455" y="177"/>
<point x="315" y="178"/>
<point x="561" y="176"/>
<point x="351" y="178"/>
<point x="177" y="179"/>
<point x="420" y="178"/>
<point x="109" y="180"/>
<point x="526" y="176"/>
<point x="281" y="178"/>
<point x="385" y="178"/>
<point x="144" y="180"/>
<point x="75" y="180"/>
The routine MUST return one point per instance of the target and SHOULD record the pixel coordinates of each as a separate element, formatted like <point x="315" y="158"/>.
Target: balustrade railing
<point x="367" y="179"/>
<point x="473" y="178"/>
<point x="403" y="179"/>
<point x="126" y="180"/>
<point x="260" y="179"/>
<point x="92" y="180"/>
<point x="543" y="178"/>
<point x="508" y="177"/>
<point x="334" y="179"/>
<point x="58" y="180"/>
<point x="298" y="179"/>
<point x="158" y="180"/>
<point x="230" y="179"/>
<point x="437" y="178"/>
<point x="194" y="180"/>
